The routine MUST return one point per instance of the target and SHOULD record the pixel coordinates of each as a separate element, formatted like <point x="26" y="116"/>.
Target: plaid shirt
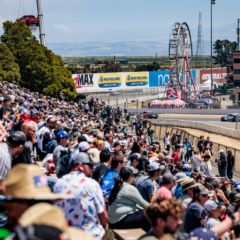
<point x="5" y="160"/>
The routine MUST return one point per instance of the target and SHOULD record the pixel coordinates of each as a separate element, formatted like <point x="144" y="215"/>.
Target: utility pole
<point x="238" y="33"/>
<point x="212" y="3"/>
<point x="40" y="16"/>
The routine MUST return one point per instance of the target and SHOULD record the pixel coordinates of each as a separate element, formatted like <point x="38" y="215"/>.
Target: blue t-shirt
<point x="146" y="188"/>
<point x="108" y="180"/>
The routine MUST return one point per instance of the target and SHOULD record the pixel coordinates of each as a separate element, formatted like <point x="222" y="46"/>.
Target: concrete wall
<point x="186" y="111"/>
<point x="160" y="131"/>
<point x="200" y="125"/>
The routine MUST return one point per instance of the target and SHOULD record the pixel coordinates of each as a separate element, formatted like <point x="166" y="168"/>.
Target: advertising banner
<point x="84" y="80"/>
<point x="109" y="80"/>
<point x="136" y="79"/>
<point x="159" y="78"/>
<point x="219" y="76"/>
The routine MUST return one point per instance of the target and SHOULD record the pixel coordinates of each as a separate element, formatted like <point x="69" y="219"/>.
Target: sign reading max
<point x="83" y="80"/>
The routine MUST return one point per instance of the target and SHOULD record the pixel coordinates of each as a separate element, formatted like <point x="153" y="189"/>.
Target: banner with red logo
<point x="218" y="75"/>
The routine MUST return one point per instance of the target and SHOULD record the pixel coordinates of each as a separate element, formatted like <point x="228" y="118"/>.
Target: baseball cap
<point x="83" y="146"/>
<point x="153" y="166"/>
<point x="16" y="139"/>
<point x="211" y="205"/>
<point x="81" y="158"/>
<point x="134" y="156"/>
<point x="62" y="134"/>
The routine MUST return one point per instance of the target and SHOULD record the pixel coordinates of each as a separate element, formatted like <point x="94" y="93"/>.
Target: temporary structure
<point x="176" y="103"/>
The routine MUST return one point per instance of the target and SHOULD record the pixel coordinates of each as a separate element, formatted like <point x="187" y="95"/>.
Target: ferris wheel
<point x="180" y="55"/>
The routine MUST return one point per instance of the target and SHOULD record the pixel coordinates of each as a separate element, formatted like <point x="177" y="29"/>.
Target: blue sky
<point x="125" y="20"/>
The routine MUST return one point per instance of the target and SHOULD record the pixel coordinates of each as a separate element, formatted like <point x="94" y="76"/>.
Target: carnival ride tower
<point x="181" y="83"/>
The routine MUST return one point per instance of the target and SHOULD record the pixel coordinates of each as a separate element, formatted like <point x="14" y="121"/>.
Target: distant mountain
<point x="126" y="48"/>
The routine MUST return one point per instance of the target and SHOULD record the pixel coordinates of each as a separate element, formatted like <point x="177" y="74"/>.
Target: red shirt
<point x="176" y="157"/>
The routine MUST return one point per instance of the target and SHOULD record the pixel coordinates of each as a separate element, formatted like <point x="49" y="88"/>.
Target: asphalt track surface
<point x="211" y="119"/>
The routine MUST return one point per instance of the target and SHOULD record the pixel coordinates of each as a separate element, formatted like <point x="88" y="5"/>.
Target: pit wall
<point x="160" y="131"/>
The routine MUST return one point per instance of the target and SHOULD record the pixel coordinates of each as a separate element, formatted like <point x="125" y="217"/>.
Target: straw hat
<point x="52" y="216"/>
<point x="188" y="183"/>
<point x="28" y="182"/>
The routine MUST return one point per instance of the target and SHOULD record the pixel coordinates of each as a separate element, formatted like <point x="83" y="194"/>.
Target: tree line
<point x="24" y="61"/>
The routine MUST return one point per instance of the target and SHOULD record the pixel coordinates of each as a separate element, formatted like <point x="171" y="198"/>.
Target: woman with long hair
<point x="126" y="205"/>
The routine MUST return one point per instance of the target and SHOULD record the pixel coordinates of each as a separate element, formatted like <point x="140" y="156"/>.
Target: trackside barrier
<point x="161" y="127"/>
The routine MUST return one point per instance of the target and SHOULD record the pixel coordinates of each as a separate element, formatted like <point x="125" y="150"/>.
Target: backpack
<point x="50" y="146"/>
<point x="64" y="165"/>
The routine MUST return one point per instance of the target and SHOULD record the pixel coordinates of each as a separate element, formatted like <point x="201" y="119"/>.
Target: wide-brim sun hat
<point x="188" y="183"/>
<point x="52" y="216"/>
<point x="26" y="181"/>
<point x="181" y="176"/>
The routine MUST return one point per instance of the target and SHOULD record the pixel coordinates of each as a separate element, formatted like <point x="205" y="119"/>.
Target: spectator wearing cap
<point x="25" y="186"/>
<point x="83" y="147"/>
<point x="87" y="211"/>
<point x="195" y="214"/>
<point x="149" y="187"/>
<point x="164" y="191"/>
<point x="108" y="180"/>
<point x="62" y="143"/>
<point x="165" y="217"/>
<point x="26" y="156"/>
<point x="134" y="159"/>
<point x="10" y="149"/>
<point x="213" y="209"/>
<point x="102" y="167"/>
<point x="126" y="205"/>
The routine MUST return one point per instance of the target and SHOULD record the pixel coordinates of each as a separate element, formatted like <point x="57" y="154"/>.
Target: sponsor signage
<point x="161" y="78"/>
<point x="109" y="80"/>
<point x="83" y="80"/>
<point x="218" y="74"/>
<point x="135" y="79"/>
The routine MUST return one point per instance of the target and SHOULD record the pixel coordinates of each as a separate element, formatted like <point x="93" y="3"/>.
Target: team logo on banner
<point x="109" y="80"/>
<point x="137" y="79"/>
<point x="172" y="95"/>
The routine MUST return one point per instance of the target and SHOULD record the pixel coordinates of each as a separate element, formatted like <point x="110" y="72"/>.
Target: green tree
<point x="41" y="70"/>
<point x="9" y="69"/>
<point x="223" y="51"/>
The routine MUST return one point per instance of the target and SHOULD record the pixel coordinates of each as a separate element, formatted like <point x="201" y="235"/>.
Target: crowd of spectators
<point x="78" y="170"/>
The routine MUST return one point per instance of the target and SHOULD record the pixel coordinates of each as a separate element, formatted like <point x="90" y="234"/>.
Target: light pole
<point x="212" y="3"/>
<point x="238" y="32"/>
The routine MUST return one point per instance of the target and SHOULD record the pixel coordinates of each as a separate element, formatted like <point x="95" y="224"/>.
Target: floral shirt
<point x="85" y="203"/>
